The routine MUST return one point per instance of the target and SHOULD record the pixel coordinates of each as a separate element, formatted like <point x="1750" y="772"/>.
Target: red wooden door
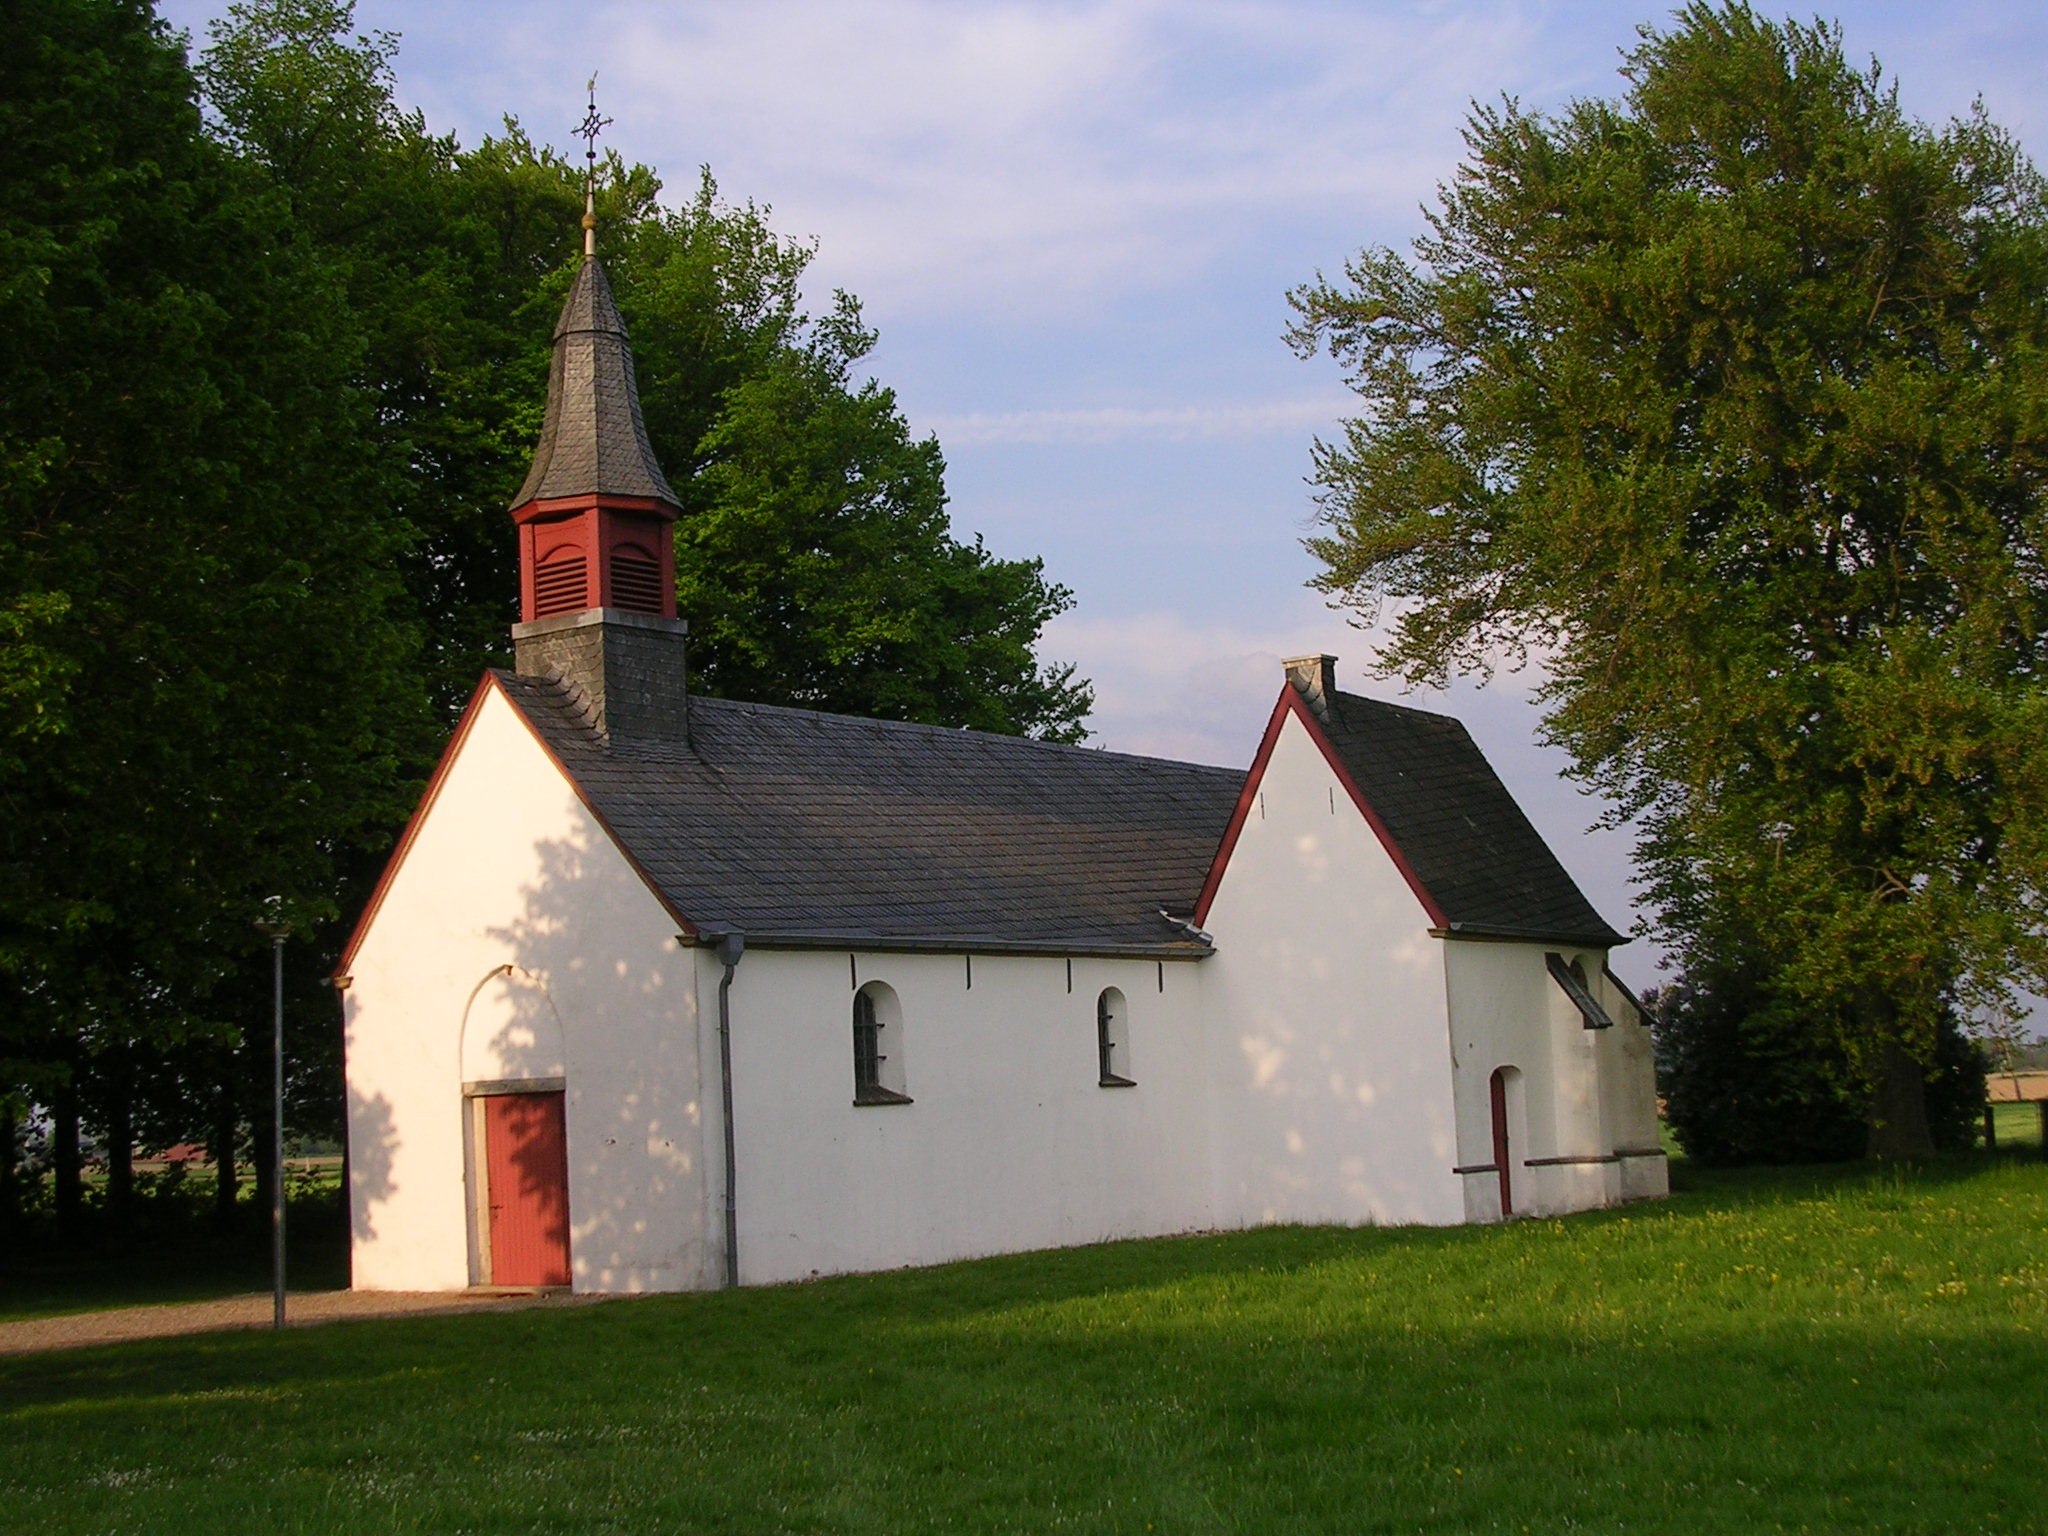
<point x="526" y="1159"/>
<point x="1499" y="1087"/>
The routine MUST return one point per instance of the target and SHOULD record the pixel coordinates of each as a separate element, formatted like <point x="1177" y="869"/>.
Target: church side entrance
<point x="1503" y="1153"/>
<point x="525" y="1196"/>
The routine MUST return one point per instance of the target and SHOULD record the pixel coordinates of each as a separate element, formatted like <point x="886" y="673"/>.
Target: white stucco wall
<point x="514" y="941"/>
<point x="1583" y="1093"/>
<point x="1628" y="1076"/>
<point x="1011" y="1142"/>
<point x="1326" y="1032"/>
<point x="1328" y="1063"/>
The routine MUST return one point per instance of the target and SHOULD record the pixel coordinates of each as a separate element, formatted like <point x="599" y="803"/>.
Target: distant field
<point x="1823" y="1350"/>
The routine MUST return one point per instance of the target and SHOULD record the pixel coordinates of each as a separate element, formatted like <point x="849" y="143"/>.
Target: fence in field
<point x="2009" y="1118"/>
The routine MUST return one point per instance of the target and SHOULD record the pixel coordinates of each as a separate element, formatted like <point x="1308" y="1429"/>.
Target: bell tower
<point x="597" y="574"/>
<point x="595" y="510"/>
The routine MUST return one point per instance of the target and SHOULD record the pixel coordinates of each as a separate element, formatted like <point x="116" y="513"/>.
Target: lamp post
<point x="277" y="928"/>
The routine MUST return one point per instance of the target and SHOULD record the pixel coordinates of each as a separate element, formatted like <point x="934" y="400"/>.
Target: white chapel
<point x="663" y="992"/>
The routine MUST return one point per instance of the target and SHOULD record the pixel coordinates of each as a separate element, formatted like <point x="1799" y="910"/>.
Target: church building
<point x="665" y="992"/>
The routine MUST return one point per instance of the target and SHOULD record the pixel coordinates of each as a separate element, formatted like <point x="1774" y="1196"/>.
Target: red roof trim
<point x="470" y="711"/>
<point x="1243" y="807"/>
<point x="544" y="506"/>
<point x="1292" y="702"/>
<point x="412" y="830"/>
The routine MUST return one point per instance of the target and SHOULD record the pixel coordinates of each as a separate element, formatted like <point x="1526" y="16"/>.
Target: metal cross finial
<point x="592" y="125"/>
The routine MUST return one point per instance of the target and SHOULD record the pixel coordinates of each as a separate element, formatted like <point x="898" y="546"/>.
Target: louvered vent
<point x="636" y="581"/>
<point x="560" y="586"/>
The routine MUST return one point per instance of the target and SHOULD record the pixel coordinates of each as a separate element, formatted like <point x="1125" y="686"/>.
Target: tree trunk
<point x="10" y="1185"/>
<point x="119" y="1067"/>
<point x="68" y="1185"/>
<point x="1898" y="1108"/>
<point x="222" y="1144"/>
<point x="261" y="1119"/>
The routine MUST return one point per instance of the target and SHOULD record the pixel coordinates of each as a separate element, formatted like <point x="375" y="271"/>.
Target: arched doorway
<point x="1503" y="1152"/>
<point x="514" y="1081"/>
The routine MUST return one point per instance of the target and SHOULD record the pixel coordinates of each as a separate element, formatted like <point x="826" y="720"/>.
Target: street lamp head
<point x="273" y="924"/>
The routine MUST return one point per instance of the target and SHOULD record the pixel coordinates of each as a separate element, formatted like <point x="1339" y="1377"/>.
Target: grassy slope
<point x="1803" y="1351"/>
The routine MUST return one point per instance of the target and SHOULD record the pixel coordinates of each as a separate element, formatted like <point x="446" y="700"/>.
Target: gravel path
<point x="120" y="1325"/>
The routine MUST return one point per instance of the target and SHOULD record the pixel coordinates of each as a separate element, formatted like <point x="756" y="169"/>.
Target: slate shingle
<point x="593" y="440"/>
<point x="791" y="824"/>
<point x="1487" y="868"/>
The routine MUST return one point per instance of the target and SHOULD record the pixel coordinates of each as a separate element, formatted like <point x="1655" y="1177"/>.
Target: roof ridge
<point x="1404" y="709"/>
<point x="579" y="704"/>
<point x="956" y="732"/>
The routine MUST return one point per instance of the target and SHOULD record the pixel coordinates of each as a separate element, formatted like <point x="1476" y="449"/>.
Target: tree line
<point x="1728" y="398"/>
<point x="273" y="360"/>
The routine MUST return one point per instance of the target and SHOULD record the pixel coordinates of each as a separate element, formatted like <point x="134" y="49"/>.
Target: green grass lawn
<point x="1833" y="1350"/>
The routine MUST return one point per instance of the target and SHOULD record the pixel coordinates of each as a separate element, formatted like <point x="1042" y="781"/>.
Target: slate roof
<point x="790" y="824"/>
<point x="593" y="440"/>
<point x="1488" y="870"/>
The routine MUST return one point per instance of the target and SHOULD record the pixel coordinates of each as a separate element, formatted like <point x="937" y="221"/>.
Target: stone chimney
<point x="627" y="666"/>
<point x="1315" y="679"/>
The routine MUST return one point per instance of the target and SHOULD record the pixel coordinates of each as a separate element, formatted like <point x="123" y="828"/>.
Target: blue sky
<point x="1075" y="225"/>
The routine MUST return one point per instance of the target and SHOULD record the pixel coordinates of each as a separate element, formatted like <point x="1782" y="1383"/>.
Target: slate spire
<point x="593" y="440"/>
<point x="595" y="510"/>
<point x="597" y="558"/>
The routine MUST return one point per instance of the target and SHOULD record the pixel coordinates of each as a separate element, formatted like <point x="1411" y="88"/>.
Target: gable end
<point x="1291" y="703"/>
<point x="485" y="686"/>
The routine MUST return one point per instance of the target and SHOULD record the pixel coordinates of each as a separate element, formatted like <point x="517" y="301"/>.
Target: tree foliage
<point x="815" y="560"/>
<point x="1747" y="1078"/>
<point x="1726" y="398"/>
<point x="192" y="550"/>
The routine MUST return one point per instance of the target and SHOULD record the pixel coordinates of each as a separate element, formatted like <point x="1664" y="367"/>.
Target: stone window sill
<point x="868" y="1097"/>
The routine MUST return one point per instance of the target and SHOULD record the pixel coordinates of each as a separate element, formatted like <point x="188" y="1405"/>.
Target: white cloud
<point x="1019" y="158"/>
<point x="1108" y="424"/>
<point x="1167" y="685"/>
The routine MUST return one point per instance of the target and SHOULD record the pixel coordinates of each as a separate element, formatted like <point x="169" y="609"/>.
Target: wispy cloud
<point x="1024" y="158"/>
<point x="1118" y="423"/>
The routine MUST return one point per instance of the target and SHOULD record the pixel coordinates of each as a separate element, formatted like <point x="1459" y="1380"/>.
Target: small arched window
<point x="1571" y="979"/>
<point x="878" y="1046"/>
<point x="1112" y="1040"/>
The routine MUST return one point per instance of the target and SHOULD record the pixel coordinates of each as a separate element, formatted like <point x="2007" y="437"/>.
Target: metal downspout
<point x="731" y="946"/>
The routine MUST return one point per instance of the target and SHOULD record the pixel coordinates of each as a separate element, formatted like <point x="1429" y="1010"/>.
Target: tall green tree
<point x="1727" y="397"/>
<point x="210" y="686"/>
<point x="268" y="379"/>
<point x="814" y="558"/>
